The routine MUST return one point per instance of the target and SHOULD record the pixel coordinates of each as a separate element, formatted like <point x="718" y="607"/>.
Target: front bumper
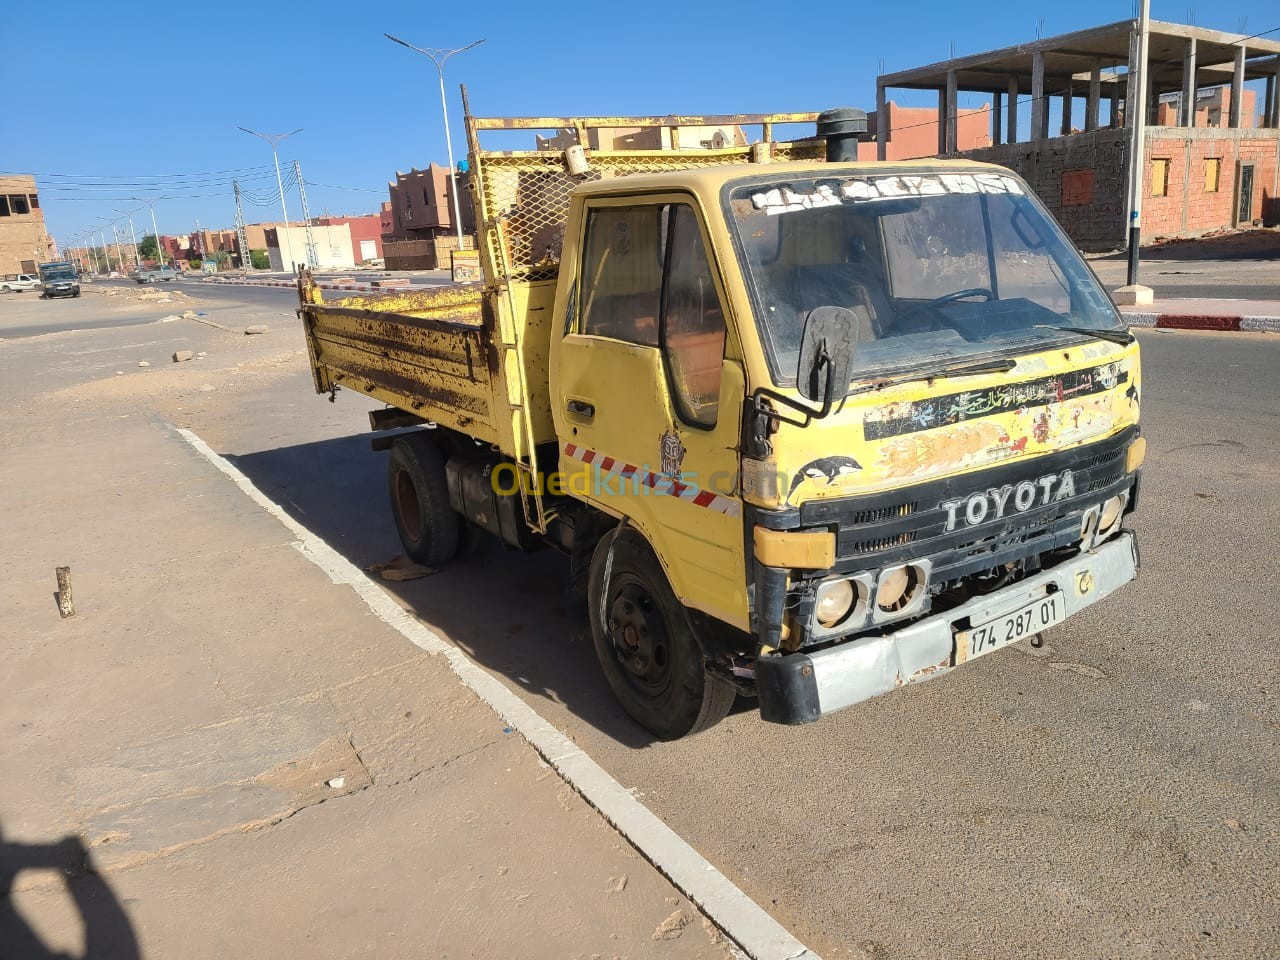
<point x="801" y="687"/>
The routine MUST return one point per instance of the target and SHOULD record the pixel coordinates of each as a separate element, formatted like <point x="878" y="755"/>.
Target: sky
<point x="107" y="102"/>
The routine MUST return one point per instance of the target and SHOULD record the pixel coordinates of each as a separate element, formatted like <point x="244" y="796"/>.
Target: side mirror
<point x="826" y="354"/>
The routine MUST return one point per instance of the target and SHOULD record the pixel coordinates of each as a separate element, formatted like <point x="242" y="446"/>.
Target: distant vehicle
<point x="23" y="281"/>
<point x="152" y="274"/>
<point x="115" y="275"/>
<point x="376" y="263"/>
<point x="59" y="279"/>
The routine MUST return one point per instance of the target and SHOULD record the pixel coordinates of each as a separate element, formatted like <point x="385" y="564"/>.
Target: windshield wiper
<point x="1003" y="365"/>
<point x="1122" y="337"/>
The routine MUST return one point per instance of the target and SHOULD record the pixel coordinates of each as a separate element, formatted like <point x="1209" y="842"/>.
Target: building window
<point x="426" y="197"/>
<point x="4" y="206"/>
<point x="1160" y="177"/>
<point x="1077" y="187"/>
<point x="408" y="206"/>
<point x="1212" y="171"/>
<point x="35" y="202"/>
<point x="18" y="203"/>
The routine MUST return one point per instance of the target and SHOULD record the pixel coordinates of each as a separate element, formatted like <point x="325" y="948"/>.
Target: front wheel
<point x="429" y="527"/>
<point x="645" y="643"/>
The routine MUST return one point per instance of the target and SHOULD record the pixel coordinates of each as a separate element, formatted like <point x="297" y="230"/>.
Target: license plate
<point x="1017" y="625"/>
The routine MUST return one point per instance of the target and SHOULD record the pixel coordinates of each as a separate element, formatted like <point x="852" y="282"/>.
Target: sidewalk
<point x="1204" y="314"/>
<point x="224" y="753"/>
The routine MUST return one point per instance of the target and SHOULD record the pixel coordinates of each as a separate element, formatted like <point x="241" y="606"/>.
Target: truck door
<point x="648" y="405"/>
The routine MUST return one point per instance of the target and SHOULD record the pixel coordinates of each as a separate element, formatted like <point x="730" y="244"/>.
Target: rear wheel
<point x="429" y="528"/>
<point x="645" y="643"/>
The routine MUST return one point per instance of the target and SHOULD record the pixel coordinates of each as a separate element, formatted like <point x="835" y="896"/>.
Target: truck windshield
<point x="58" y="273"/>
<point x="934" y="266"/>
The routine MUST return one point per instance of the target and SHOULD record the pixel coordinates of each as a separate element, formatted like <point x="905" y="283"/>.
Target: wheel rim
<point x="407" y="506"/>
<point x="638" y="638"/>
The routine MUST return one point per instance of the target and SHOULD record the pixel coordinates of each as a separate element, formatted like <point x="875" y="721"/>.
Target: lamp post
<point x="439" y="57"/>
<point x="106" y="250"/>
<point x="274" y="139"/>
<point x="155" y="231"/>
<point x="133" y="236"/>
<point x="119" y="256"/>
<point x="1136" y="113"/>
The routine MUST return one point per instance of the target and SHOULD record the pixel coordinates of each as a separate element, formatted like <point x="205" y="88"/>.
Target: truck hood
<point x="925" y="430"/>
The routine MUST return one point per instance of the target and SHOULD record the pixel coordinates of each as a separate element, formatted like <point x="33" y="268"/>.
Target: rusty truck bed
<point x="427" y="352"/>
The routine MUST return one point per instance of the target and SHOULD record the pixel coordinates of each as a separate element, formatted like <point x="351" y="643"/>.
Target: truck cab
<point x="808" y="429"/>
<point x="955" y="482"/>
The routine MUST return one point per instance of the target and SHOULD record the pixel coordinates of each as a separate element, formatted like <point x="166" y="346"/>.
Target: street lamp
<point x="137" y="258"/>
<point x="439" y="57"/>
<point x="151" y="204"/>
<point x="119" y="256"/>
<point x="274" y="139"/>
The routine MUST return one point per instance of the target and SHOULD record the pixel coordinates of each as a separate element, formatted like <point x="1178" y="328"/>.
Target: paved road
<point x="1110" y="795"/>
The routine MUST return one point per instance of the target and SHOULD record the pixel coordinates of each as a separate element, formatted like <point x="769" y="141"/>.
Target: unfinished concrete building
<point x="1059" y="108"/>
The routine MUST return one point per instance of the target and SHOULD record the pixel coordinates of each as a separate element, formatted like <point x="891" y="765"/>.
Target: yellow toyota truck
<point x="808" y="429"/>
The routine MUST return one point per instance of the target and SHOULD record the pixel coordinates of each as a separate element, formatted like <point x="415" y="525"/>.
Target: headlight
<point x="834" y="601"/>
<point x="901" y="590"/>
<point x="1109" y="517"/>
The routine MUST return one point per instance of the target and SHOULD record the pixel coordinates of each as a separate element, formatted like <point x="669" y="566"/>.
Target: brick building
<point x="24" y="241"/>
<point x="915" y="132"/>
<point x="1204" y="168"/>
<point x="421" y="204"/>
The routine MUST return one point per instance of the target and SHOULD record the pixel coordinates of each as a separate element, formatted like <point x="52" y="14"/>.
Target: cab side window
<point x="693" y="322"/>
<point x="621" y="285"/>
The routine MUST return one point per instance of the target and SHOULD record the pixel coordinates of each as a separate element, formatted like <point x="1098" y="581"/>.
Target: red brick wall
<point x="913" y="132"/>
<point x="1188" y="208"/>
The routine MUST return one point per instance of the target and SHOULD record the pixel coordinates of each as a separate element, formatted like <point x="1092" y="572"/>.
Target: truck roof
<point x="709" y="180"/>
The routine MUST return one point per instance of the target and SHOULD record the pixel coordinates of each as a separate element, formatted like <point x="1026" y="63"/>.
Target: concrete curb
<point x="1200" y="321"/>
<point x="744" y="921"/>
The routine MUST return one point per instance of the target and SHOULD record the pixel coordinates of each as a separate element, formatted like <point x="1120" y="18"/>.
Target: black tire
<point x="429" y="528"/>
<point x="645" y="642"/>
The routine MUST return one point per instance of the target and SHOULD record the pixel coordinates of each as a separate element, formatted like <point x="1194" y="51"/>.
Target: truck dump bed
<point x="426" y="352"/>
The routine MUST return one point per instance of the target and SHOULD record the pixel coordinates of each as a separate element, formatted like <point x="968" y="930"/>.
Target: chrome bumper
<point x="801" y="687"/>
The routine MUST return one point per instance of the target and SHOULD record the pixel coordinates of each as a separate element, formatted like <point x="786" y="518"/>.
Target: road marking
<point x="743" y="920"/>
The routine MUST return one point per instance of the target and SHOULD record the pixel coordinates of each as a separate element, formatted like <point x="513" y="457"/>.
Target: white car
<point x="23" y="281"/>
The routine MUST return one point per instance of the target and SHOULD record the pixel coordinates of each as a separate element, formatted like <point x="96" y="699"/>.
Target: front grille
<point x="884" y="513"/>
<point x="884" y="528"/>
<point x="884" y="543"/>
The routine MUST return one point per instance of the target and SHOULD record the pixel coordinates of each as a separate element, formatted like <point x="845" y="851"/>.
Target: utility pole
<point x="106" y="250"/>
<point x="242" y="233"/>
<point x="312" y="259"/>
<point x="1136" y="113"/>
<point x="439" y="57"/>
<point x="274" y="139"/>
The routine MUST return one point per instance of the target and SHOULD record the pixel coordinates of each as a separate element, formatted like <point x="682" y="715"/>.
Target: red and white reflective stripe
<point x="657" y="482"/>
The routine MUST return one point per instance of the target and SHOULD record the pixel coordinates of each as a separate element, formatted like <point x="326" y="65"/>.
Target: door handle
<point x="580" y="408"/>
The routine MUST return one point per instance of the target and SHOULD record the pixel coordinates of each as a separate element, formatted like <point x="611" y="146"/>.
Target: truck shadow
<point x="104" y="927"/>
<point x="506" y="609"/>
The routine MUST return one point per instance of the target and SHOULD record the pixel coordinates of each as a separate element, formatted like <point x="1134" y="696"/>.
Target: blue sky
<point x="114" y="95"/>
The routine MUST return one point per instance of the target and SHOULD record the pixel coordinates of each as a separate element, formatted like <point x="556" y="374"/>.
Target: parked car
<point x="152" y="274"/>
<point x="19" y="283"/>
